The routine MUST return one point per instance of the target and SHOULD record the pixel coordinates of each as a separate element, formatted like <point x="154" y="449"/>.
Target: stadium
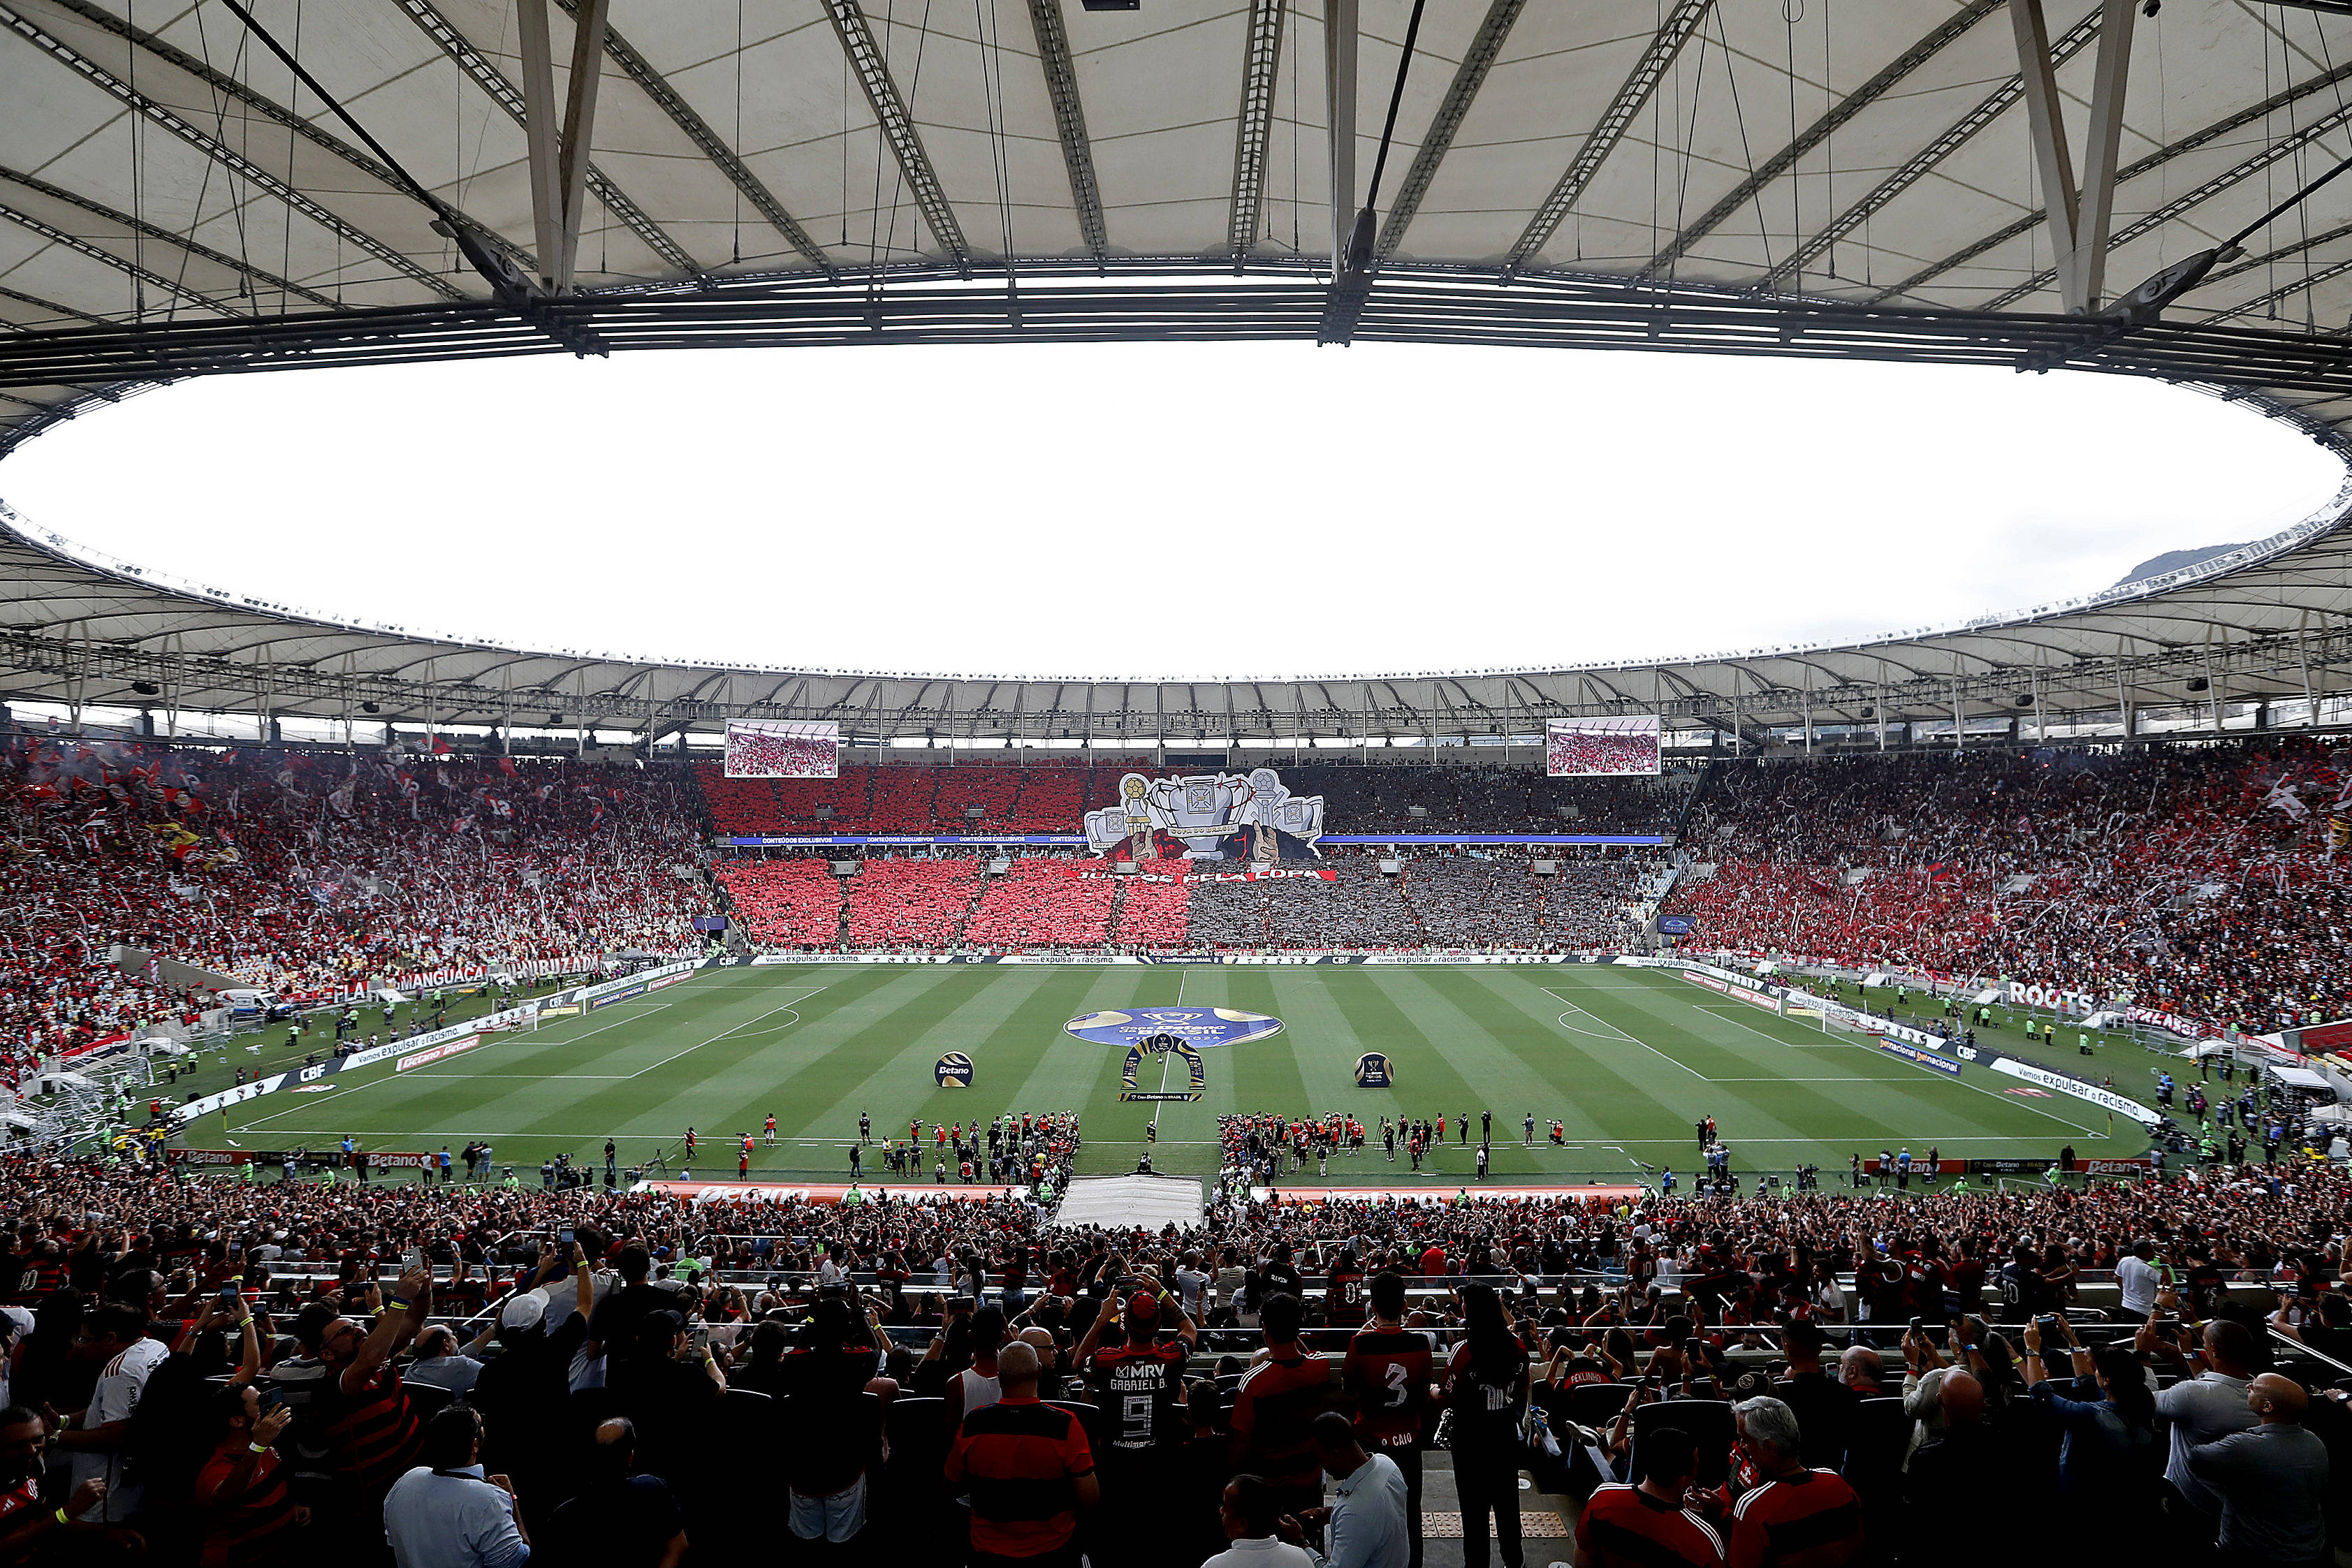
<point x="465" y="1098"/>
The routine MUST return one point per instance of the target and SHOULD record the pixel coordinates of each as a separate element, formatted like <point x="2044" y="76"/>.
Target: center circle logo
<point x="1159" y="1029"/>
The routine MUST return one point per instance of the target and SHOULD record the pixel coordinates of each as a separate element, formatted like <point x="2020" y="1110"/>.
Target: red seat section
<point x="787" y="903"/>
<point x="910" y="903"/>
<point x="1151" y="913"/>
<point x="1040" y="905"/>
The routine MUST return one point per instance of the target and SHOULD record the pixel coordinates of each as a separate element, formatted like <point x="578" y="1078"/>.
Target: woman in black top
<point x="1486" y="1387"/>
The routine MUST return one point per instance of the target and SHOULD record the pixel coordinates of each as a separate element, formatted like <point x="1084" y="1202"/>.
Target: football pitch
<point x="1627" y="1060"/>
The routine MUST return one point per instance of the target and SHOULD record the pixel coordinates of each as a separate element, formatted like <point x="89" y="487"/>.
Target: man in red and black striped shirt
<point x="1646" y="1526"/>
<point x="243" y="1488"/>
<point x="1276" y="1403"/>
<point x="365" y="1416"/>
<point x="1797" y="1517"/>
<point x="1029" y="1470"/>
<point x="1387" y="1377"/>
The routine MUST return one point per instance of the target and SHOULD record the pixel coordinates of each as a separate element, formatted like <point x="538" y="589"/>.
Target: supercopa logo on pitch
<point x="1200" y="1028"/>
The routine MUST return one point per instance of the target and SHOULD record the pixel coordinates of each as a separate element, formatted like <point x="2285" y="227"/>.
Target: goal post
<point x="1841" y="1024"/>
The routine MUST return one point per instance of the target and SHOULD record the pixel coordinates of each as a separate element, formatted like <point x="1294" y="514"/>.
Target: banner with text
<point x="2106" y="1098"/>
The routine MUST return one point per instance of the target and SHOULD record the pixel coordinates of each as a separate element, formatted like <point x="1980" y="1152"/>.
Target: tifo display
<point x="1222" y="816"/>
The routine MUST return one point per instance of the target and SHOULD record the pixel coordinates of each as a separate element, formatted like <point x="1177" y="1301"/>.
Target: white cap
<point x="527" y="1311"/>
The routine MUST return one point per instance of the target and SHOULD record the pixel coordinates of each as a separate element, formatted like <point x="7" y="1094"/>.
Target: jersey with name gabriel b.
<point x="1140" y="1385"/>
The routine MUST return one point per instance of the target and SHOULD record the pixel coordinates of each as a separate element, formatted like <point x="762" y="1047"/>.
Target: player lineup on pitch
<point x="1569" y="1072"/>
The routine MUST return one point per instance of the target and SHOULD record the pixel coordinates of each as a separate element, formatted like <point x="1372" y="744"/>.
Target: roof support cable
<point x="512" y="290"/>
<point x="990" y="42"/>
<point x="1351" y="280"/>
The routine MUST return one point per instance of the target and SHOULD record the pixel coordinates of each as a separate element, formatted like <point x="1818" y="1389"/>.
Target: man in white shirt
<point x="2139" y="1279"/>
<point x="439" y="1362"/>
<point x="446" y="1513"/>
<point x="94" y="1438"/>
<point x="1365" y="1524"/>
<point x="1190" y="1283"/>
<point x="1252" y="1515"/>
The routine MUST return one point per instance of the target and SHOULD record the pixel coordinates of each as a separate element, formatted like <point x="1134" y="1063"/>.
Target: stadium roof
<point x="226" y="187"/>
<point x="215" y="186"/>
<point x="2264" y="621"/>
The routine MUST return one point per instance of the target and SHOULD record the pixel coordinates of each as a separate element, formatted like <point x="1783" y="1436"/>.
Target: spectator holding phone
<point x="244" y="1490"/>
<point x="1793" y="1515"/>
<point x="1650" y="1525"/>
<point x="2204" y="1409"/>
<point x="446" y="1513"/>
<point x="2107" y="1459"/>
<point x="1252" y="1521"/>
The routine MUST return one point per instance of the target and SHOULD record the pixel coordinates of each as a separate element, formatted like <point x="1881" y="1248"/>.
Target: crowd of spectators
<point x="1038" y="903"/>
<point x="1358" y="907"/>
<point x="1155" y="906"/>
<point x="795" y="902"/>
<point x="310" y="874"/>
<point x="1833" y="1373"/>
<point x="1481" y="797"/>
<point x="1475" y="901"/>
<point x="1054" y="798"/>
<point x="911" y="903"/>
<point x="2195" y="880"/>
<point x="1050" y="797"/>
<point x="1072" y="902"/>
<point x="1588" y="904"/>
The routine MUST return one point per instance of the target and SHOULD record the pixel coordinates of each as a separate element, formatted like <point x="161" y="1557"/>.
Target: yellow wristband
<point x="61" y="1517"/>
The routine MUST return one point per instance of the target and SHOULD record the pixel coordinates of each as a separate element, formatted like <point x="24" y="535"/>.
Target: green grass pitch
<point x="1628" y="1060"/>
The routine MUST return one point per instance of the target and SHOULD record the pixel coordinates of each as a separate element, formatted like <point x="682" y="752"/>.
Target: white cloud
<point x="1195" y="510"/>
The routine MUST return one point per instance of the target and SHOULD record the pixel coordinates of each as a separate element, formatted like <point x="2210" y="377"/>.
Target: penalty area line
<point x="1620" y="1034"/>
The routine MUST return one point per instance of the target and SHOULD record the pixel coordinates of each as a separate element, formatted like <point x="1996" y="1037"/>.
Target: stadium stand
<point x="2200" y="880"/>
<point x="1588" y="903"/>
<point x="1473" y="903"/>
<point x="961" y="791"/>
<point x="1051" y="798"/>
<point x="1485" y="798"/>
<point x="1232" y="913"/>
<point x="311" y="874"/>
<point x="790" y="902"/>
<point x="1039" y="903"/>
<point x="910" y="903"/>
<point x="1360" y="908"/>
<point x="1768" y="1317"/>
<point x="1153" y="913"/>
<point x="903" y="800"/>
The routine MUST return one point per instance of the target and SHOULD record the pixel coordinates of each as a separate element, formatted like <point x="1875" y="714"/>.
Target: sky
<point x="1172" y="511"/>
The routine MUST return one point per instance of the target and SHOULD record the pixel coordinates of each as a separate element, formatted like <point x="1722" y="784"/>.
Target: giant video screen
<point x="1597" y="747"/>
<point x="772" y="748"/>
